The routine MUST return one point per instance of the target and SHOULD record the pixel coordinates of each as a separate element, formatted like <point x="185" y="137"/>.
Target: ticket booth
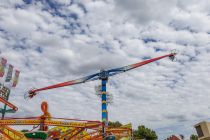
<point x="203" y="130"/>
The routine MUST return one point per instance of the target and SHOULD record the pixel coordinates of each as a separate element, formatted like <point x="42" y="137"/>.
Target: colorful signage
<point x="15" y="79"/>
<point x="9" y="73"/>
<point x="3" y="63"/>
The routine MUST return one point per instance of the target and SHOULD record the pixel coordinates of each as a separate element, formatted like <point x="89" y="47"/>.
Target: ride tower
<point x="104" y="79"/>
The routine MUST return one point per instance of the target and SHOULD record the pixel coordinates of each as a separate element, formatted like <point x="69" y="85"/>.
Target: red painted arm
<point x="136" y="65"/>
<point x="8" y="104"/>
<point x="33" y="92"/>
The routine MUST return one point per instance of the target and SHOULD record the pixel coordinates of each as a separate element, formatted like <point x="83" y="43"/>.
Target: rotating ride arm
<point x="139" y="64"/>
<point x="33" y="92"/>
<point x="101" y="75"/>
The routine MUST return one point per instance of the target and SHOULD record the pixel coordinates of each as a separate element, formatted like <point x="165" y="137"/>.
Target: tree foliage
<point x="145" y="133"/>
<point x="115" y="124"/>
<point x="24" y="130"/>
<point x="193" y="137"/>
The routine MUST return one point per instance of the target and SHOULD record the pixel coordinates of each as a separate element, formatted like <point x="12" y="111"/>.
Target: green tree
<point x="114" y="124"/>
<point x="24" y="130"/>
<point x="145" y="133"/>
<point x="193" y="137"/>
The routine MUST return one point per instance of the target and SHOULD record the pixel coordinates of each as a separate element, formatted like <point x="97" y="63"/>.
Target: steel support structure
<point x="104" y="107"/>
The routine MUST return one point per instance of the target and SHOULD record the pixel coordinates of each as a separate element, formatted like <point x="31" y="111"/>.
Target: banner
<point x="4" y="92"/>
<point x="15" y="79"/>
<point x="9" y="73"/>
<point x="2" y="66"/>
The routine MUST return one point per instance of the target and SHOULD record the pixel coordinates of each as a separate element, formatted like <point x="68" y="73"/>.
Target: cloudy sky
<point x="53" y="41"/>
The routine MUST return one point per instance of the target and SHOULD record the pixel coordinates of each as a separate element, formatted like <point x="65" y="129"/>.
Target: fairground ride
<point x="61" y="128"/>
<point x="103" y="75"/>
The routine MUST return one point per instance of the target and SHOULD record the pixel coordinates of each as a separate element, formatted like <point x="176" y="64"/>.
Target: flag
<point x="15" y="79"/>
<point x="2" y="66"/>
<point x="9" y="73"/>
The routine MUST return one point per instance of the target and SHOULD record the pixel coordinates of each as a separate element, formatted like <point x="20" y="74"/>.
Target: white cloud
<point x="146" y="11"/>
<point x="49" y="48"/>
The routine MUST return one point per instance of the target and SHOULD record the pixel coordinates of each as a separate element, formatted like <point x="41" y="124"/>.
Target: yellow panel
<point x="47" y="122"/>
<point x="13" y="134"/>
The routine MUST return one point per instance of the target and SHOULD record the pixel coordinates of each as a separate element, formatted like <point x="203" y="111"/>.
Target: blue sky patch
<point x="148" y="40"/>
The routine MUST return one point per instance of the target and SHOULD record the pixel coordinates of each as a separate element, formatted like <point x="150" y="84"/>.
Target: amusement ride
<point x="46" y="127"/>
<point x="61" y="128"/>
<point x="103" y="75"/>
